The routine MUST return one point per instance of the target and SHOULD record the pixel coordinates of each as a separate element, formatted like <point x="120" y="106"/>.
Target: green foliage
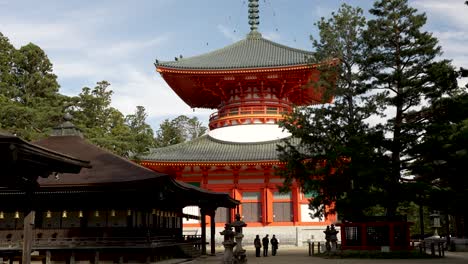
<point x="29" y="96"/>
<point x="339" y="157"/>
<point x="141" y="132"/>
<point x="31" y="105"/>
<point x="400" y="67"/>
<point x="106" y="127"/>
<point x="443" y="154"/>
<point x="387" y="66"/>
<point x="178" y="130"/>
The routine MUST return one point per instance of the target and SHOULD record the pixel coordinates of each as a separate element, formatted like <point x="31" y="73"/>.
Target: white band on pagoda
<point x="249" y="133"/>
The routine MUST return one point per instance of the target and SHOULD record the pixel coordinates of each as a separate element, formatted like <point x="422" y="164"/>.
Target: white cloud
<point x="453" y="11"/>
<point x="75" y="69"/>
<point x="47" y="36"/>
<point x="229" y="33"/>
<point x="126" y="47"/>
<point x="149" y="90"/>
<point x="271" y="35"/>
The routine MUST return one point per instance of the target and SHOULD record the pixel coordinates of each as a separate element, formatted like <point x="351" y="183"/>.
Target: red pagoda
<point x="251" y="84"/>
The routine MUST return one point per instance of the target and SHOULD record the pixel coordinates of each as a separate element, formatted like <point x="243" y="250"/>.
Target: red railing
<point x="249" y="110"/>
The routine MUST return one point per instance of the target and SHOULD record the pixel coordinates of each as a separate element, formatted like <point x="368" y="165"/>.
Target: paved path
<point x="300" y="255"/>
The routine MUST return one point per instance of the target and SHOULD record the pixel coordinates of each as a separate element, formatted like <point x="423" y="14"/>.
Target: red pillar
<point x="364" y="235"/>
<point x="391" y="235"/>
<point x="295" y="193"/>
<point x="267" y="206"/>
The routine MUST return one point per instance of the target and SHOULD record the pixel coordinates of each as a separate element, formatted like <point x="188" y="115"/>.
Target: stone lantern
<point x="435" y="217"/>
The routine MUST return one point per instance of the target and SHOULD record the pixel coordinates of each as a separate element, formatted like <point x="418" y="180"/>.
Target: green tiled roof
<point x="251" y="52"/>
<point x="206" y="148"/>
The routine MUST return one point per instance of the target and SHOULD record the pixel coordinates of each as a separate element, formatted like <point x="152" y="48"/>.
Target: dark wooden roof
<point x="23" y="162"/>
<point x="113" y="179"/>
<point x="107" y="168"/>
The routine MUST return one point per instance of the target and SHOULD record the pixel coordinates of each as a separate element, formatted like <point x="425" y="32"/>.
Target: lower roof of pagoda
<point x="207" y="149"/>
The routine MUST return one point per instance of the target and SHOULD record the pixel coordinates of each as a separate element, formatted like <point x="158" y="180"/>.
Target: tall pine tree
<point x="337" y="158"/>
<point x="401" y="68"/>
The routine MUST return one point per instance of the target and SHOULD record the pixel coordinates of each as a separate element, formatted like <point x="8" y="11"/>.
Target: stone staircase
<point x="189" y="250"/>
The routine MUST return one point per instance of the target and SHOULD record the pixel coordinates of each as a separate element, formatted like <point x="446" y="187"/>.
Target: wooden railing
<point x="92" y="242"/>
<point x="248" y="110"/>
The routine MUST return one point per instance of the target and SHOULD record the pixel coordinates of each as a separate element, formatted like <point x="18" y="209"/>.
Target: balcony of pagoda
<point x="242" y="115"/>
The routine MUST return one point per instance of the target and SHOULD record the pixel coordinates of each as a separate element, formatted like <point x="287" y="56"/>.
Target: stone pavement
<point x="300" y="255"/>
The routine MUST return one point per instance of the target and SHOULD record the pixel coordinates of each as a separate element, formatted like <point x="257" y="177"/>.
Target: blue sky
<point x="118" y="41"/>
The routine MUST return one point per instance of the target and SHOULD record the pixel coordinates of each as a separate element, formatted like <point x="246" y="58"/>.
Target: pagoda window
<point x="281" y="196"/>
<point x="251" y="211"/>
<point x="282" y="207"/>
<point x="251" y="207"/>
<point x="282" y="212"/>
<point x="223" y="215"/>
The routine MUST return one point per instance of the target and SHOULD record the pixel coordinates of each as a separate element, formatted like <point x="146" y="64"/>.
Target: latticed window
<point x="252" y="212"/>
<point x="282" y="212"/>
<point x="223" y="215"/>
<point x="353" y="235"/>
<point x="377" y="235"/>
<point x="281" y="196"/>
<point x="251" y="196"/>
<point x="400" y="235"/>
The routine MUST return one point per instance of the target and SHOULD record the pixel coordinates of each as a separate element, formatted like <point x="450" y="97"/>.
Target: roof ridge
<point x="285" y="47"/>
<point x="249" y="52"/>
<point x="244" y="143"/>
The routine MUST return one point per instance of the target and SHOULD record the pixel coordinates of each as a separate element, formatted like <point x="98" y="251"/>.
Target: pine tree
<point x="401" y="68"/>
<point x="336" y="158"/>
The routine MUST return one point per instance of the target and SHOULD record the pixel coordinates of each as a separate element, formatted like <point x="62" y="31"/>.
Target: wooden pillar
<point x="48" y="257"/>
<point x="72" y="258"/>
<point x="203" y="231"/>
<point x="212" y="232"/>
<point x="27" y="236"/>
<point x="96" y="257"/>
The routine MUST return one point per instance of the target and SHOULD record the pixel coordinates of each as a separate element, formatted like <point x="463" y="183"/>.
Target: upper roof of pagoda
<point x="250" y="53"/>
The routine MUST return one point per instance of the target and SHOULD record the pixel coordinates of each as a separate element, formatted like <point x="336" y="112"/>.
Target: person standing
<point x="265" y="242"/>
<point x="274" y="245"/>
<point x="257" y="245"/>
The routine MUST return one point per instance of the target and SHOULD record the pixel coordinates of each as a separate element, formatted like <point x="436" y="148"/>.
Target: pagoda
<point x="251" y="85"/>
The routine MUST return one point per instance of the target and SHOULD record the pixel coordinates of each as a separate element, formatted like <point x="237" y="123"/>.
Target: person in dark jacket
<point x="274" y="245"/>
<point x="258" y="245"/>
<point x="265" y="242"/>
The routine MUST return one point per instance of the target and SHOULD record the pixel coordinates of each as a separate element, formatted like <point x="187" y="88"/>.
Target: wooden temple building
<point x="115" y="210"/>
<point x="250" y="84"/>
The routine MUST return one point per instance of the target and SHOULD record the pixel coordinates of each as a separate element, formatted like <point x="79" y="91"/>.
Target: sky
<point x="118" y="40"/>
